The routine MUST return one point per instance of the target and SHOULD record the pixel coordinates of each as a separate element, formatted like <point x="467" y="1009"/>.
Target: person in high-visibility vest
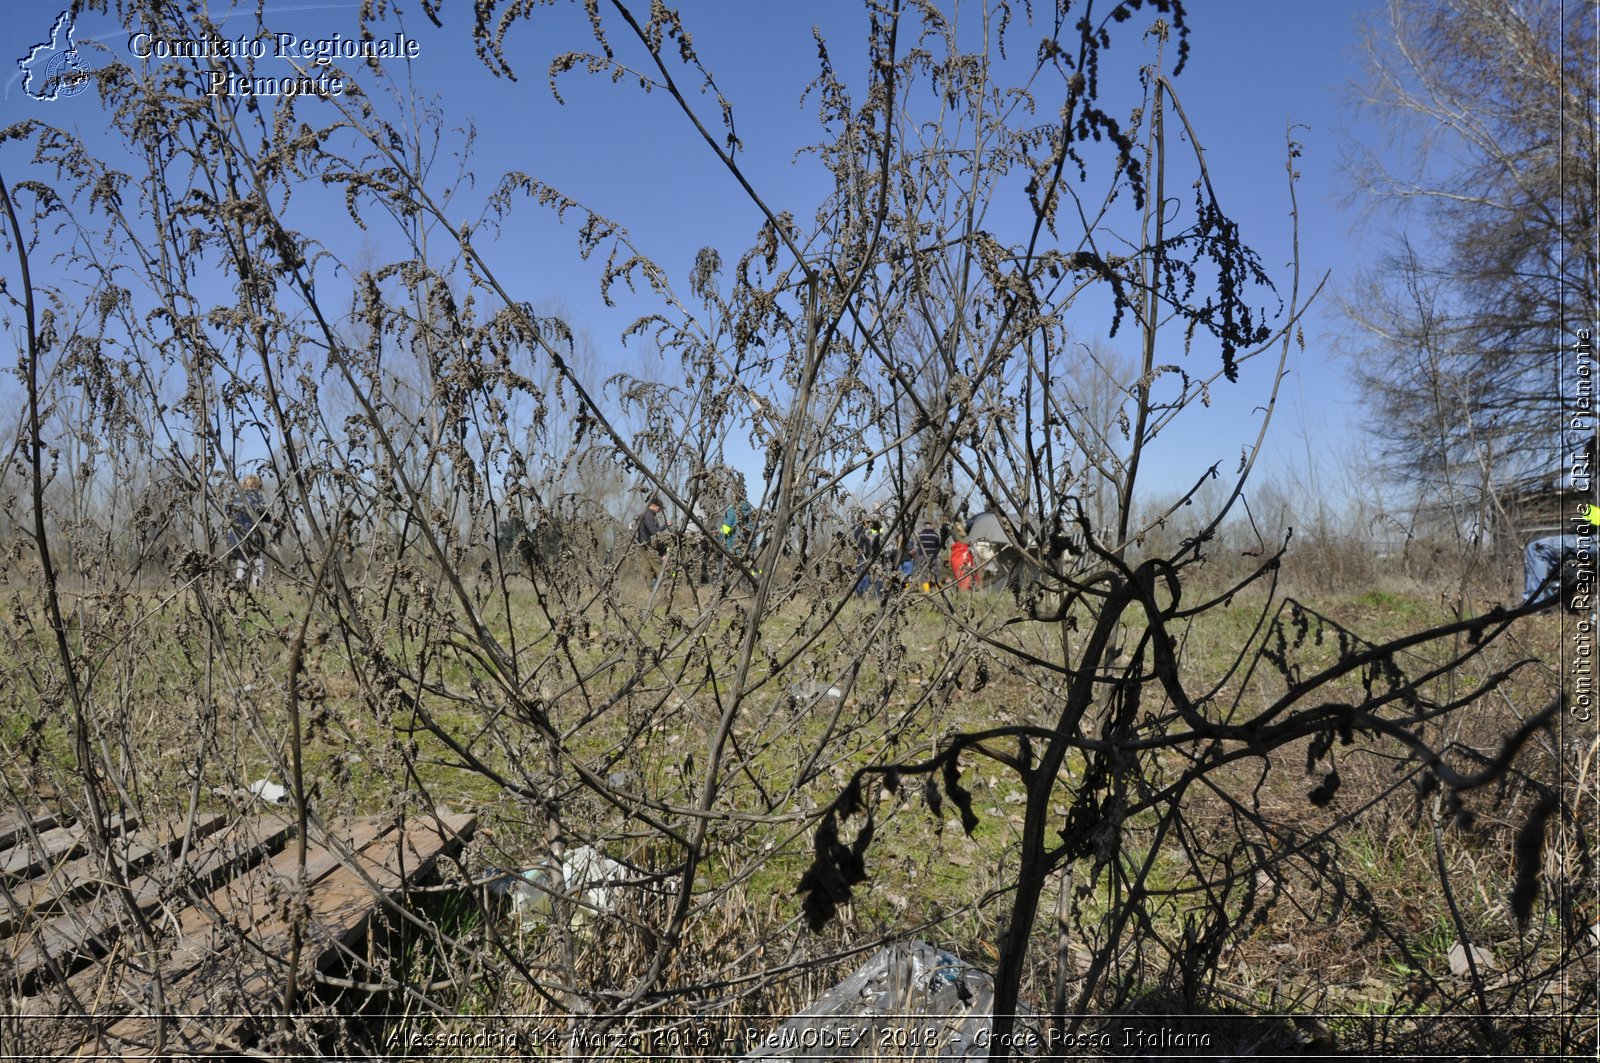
<point x="869" y="548"/>
<point x="736" y="534"/>
<point x="1543" y="558"/>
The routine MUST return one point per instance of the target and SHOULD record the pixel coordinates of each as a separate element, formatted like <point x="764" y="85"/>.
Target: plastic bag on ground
<point x="909" y="1001"/>
<point x="589" y="876"/>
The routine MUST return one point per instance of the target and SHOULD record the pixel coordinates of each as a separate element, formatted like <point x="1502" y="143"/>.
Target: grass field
<point x="598" y="721"/>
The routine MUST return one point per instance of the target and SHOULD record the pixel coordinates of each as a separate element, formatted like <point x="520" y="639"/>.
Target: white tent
<point x="987" y="528"/>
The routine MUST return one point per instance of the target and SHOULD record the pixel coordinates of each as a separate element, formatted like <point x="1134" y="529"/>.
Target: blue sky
<point x="1255" y="66"/>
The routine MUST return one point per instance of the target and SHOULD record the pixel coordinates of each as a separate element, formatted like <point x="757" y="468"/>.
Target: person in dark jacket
<point x="650" y="531"/>
<point x="868" y="539"/>
<point x="247" y="532"/>
<point x="930" y="545"/>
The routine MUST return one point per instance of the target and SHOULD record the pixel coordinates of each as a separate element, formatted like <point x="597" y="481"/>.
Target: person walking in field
<point x="737" y="535"/>
<point x="930" y="545"/>
<point x="1543" y="558"/>
<point x="964" y="566"/>
<point x="247" y="535"/>
<point x="649" y="531"/>
<point x="905" y="557"/>
<point x="868" y="539"/>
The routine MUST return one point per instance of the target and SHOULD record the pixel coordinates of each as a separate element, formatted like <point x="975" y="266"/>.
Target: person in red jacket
<point x="964" y="566"/>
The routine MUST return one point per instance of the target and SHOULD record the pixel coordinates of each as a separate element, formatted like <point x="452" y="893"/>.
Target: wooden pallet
<point x="203" y="933"/>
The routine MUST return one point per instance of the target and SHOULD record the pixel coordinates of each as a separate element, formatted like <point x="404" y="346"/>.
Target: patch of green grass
<point x="601" y="686"/>
<point x="1386" y="602"/>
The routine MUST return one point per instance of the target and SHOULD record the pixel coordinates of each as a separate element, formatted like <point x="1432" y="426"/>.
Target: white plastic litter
<point x="809" y="692"/>
<point x="588" y="875"/>
<point x="267" y="790"/>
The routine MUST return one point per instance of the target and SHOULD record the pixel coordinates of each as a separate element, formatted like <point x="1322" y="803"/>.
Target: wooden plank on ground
<point x="74" y="937"/>
<point x="245" y="907"/>
<point x="26" y="858"/>
<point x="77" y="879"/>
<point x="36" y="852"/>
<point x="425" y="843"/>
<point x="232" y="984"/>
<point x="14" y="825"/>
<point x="222" y="932"/>
<point x="60" y="1014"/>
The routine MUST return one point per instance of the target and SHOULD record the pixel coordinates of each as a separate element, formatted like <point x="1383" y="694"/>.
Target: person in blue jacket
<point x="1542" y="559"/>
<point x="736" y="534"/>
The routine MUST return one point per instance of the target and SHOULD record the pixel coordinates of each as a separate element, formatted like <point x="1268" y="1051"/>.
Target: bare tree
<point x="1493" y="119"/>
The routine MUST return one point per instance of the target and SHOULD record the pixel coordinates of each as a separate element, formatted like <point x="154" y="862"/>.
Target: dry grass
<point x="1353" y="922"/>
